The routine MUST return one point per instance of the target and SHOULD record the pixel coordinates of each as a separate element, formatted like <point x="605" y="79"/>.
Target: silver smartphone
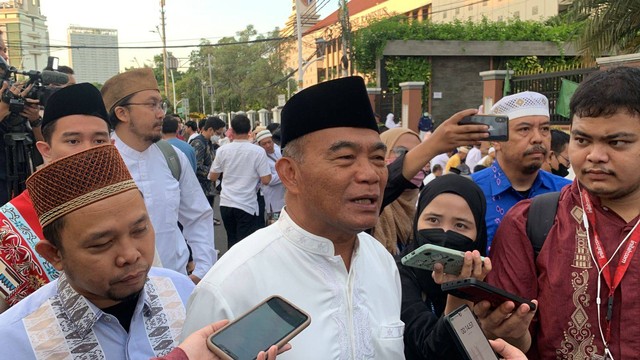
<point x="470" y="340"/>
<point x="427" y="255"/>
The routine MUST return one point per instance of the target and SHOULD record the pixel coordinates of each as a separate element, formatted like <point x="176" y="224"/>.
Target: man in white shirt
<point x="136" y="111"/>
<point x="244" y="166"/>
<point x="317" y="254"/>
<point x="274" y="191"/>
<point x="474" y="156"/>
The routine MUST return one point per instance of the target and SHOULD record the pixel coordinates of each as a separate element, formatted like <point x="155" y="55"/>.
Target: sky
<point x="187" y="21"/>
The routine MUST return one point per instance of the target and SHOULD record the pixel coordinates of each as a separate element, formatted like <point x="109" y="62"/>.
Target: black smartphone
<point x="498" y="125"/>
<point x="470" y="340"/>
<point x="475" y="290"/>
<point x="274" y="321"/>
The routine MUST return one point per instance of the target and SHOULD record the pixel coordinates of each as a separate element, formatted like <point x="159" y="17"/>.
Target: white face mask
<point x="214" y="139"/>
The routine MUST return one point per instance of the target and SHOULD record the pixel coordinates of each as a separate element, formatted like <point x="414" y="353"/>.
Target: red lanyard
<point x="623" y="262"/>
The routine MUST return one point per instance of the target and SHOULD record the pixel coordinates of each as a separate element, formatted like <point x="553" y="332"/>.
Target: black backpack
<point x="542" y="214"/>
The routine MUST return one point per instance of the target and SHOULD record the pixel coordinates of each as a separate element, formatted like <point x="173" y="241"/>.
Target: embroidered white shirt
<point x="354" y="314"/>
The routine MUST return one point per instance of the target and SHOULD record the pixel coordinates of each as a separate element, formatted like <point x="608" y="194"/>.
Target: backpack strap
<point x="173" y="161"/>
<point x="542" y="214"/>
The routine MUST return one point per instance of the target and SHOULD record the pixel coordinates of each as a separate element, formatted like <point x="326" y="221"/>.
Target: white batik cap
<point x="526" y="103"/>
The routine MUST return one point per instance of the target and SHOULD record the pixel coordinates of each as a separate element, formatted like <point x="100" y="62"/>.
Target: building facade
<point x="334" y="64"/>
<point x="25" y="34"/>
<point x="93" y="54"/>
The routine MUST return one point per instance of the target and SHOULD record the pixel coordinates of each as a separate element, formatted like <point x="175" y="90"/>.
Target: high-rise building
<point x="25" y="34"/>
<point x="94" y="53"/>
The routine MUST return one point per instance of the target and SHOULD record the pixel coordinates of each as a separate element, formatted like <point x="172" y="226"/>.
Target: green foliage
<point x="406" y="68"/>
<point x="369" y="42"/>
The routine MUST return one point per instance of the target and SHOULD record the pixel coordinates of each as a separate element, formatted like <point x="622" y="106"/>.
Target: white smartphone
<point x="470" y="340"/>
<point x="274" y="321"/>
<point x="428" y="255"/>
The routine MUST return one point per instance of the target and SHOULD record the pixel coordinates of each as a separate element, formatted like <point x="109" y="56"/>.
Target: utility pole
<point x="211" y="89"/>
<point x="346" y="37"/>
<point x="300" y="60"/>
<point x="164" y="50"/>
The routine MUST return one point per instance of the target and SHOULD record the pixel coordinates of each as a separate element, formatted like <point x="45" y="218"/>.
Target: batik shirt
<point x="501" y="196"/>
<point x="56" y="322"/>
<point x="355" y="313"/>
<point x="22" y="269"/>
<point x="564" y="280"/>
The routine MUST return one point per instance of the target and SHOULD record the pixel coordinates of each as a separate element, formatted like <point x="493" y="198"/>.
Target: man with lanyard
<point x="516" y="175"/>
<point x="585" y="277"/>
<point x="74" y="120"/>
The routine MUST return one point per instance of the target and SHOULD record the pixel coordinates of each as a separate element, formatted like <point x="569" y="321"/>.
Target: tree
<point x="612" y="26"/>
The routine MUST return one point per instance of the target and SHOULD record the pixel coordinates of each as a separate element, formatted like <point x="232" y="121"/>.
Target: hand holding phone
<point x="498" y="125"/>
<point x="426" y="256"/>
<point x="274" y="321"/>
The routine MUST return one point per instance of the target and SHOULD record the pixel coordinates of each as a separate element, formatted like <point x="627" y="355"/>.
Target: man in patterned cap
<point x="317" y="254"/>
<point x="136" y="112"/>
<point x="74" y="120"/>
<point x="516" y="175"/>
<point x="108" y="303"/>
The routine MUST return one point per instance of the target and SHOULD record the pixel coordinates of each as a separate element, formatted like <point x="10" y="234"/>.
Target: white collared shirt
<point x="242" y="165"/>
<point x="169" y="201"/>
<point x="355" y="314"/>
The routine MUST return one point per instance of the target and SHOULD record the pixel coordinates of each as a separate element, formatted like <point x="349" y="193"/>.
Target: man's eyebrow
<point x="619" y="135"/>
<point x="342" y="144"/>
<point x="379" y="146"/>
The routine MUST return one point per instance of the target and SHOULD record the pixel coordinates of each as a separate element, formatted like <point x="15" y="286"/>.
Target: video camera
<point x="41" y="80"/>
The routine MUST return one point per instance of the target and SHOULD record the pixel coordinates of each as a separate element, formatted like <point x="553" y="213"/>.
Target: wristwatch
<point x="36" y="123"/>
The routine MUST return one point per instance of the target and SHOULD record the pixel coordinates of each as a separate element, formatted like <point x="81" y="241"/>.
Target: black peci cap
<point x="78" y="99"/>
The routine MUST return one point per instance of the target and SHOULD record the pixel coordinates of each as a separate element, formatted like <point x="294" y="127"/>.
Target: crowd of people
<point x="109" y="253"/>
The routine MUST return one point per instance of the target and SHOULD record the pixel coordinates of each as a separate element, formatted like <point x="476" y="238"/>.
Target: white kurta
<point x="354" y="314"/>
<point x="169" y="201"/>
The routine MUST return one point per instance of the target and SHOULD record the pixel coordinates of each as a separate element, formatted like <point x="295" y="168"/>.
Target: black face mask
<point x="562" y="171"/>
<point x="449" y="239"/>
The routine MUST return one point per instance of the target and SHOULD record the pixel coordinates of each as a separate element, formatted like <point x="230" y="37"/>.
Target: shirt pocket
<point x="391" y="331"/>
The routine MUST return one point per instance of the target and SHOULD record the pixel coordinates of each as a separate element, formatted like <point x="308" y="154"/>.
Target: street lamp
<point x="321" y="45"/>
<point x="172" y="64"/>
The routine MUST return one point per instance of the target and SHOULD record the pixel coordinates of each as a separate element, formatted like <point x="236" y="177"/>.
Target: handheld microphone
<point x="54" y="77"/>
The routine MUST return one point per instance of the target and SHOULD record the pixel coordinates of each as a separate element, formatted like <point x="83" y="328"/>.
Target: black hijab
<point x="465" y="188"/>
<point x="468" y="190"/>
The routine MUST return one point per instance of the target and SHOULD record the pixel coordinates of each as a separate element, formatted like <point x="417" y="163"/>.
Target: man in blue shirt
<point x="170" y="125"/>
<point x="108" y="303"/>
<point x="516" y="174"/>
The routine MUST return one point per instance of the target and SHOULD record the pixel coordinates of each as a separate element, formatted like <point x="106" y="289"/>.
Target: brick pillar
<point x="493" y="84"/>
<point x="411" y="104"/>
<point x="374" y="97"/>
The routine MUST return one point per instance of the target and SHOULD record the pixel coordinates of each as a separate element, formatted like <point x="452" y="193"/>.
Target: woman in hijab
<point x="451" y="211"/>
<point x="391" y="123"/>
<point x="394" y="226"/>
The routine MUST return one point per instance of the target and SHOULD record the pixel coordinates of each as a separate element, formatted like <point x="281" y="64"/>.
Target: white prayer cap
<point x="492" y="150"/>
<point x="463" y="149"/>
<point x="526" y="103"/>
<point x="262" y="135"/>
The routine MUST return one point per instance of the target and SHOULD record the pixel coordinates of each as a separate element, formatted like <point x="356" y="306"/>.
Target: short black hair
<point x="65" y="70"/>
<point x="52" y="232"/>
<point x="170" y="124"/>
<point x="604" y="93"/>
<point x="559" y="140"/>
<point x="273" y="127"/>
<point x="213" y="122"/>
<point x="241" y="124"/>
<point x="436" y="167"/>
<point x="191" y="125"/>
<point x="113" y="119"/>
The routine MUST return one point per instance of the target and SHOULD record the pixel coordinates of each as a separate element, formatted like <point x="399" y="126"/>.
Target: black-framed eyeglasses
<point x="567" y="161"/>
<point x="154" y="105"/>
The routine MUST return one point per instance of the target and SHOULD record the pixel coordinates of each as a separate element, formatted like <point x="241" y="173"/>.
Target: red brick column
<point x="411" y="104"/>
<point x="493" y="84"/>
<point x="374" y="97"/>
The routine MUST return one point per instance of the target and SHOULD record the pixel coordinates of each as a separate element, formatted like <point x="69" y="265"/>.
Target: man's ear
<point x="121" y="113"/>
<point x="497" y="145"/>
<point x="51" y="253"/>
<point x="45" y="151"/>
<point x="289" y="173"/>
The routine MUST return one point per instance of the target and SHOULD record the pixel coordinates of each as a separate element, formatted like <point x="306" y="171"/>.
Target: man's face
<point x="604" y="152"/>
<point x="106" y="252"/>
<point x="3" y="49"/>
<point x="144" y="115"/>
<point x="72" y="134"/>
<point x="207" y="133"/>
<point x="342" y="176"/>
<point x="529" y="142"/>
<point x="267" y="145"/>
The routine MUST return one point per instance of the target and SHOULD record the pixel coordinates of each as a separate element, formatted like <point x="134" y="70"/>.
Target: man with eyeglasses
<point x="136" y="111"/>
<point x="516" y="175"/>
